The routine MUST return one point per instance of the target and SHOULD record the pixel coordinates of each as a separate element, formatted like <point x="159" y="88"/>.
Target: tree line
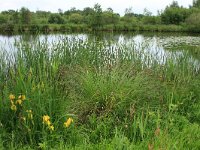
<point x="173" y="18"/>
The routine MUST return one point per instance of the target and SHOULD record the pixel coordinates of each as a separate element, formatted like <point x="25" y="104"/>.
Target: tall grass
<point x="119" y="96"/>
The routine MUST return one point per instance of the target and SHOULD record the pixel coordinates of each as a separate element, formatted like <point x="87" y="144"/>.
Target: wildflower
<point x="11" y="97"/>
<point x="22" y="97"/>
<point x="13" y="107"/>
<point x="46" y="118"/>
<point x="48" y="122"/>
<point x="19" y="101"/>
<point x="23" y="118"/>
<point x="51" y="128"/>
<point x="12" y="103"/>
<point x="30" y="115"/>
<point x="68" y="122"/>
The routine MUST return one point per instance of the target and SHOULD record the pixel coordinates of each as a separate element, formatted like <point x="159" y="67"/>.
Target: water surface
<point x="159" y="46"/>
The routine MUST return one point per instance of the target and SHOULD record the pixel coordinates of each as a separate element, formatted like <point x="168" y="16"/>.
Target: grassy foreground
<point x="94" y="95"/>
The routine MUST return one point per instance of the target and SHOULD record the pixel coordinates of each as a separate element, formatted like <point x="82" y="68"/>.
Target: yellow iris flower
<point x="19" y="101"/>
<point x="13" y="107"/>
<point x="68" y="122"/>
<point x="51" y="128"/>
<point x="11" y="97"/>
<point x="46" y="118"/>
<point x="22" y="97"/>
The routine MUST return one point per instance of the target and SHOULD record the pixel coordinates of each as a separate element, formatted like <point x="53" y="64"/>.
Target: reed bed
<point x="91" y="94"/>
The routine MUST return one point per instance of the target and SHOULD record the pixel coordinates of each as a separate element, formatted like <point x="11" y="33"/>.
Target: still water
<point x="159" y="46"/>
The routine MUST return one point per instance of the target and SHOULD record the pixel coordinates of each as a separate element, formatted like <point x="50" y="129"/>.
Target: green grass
<point x="118" y="98"/>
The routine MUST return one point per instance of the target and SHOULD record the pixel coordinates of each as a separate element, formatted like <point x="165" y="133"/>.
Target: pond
<point x="158" y="46"/>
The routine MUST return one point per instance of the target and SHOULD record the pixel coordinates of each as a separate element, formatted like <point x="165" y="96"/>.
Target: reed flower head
<point x="11" y="97"/>
<point x="68" y="122"/>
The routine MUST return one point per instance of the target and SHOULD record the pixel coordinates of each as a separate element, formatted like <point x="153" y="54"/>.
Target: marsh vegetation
<point x="100" y="92"/>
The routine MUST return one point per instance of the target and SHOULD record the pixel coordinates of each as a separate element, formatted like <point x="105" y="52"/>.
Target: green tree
<point x="25" y="15"/>
<point x="76" y="18"/>
<point x="151" y="20"/>
<point x="109" y="17"/>
<point x="193" y="19"/>
<point x="193" y="22"/>
<point x="174" y="14"/>
<point x="8" y="12"/>
<point x="174" y="4"/>
<point x="3" y="19"/>
<point x="96" y="17"/>
<point x="15" y="17"/>
<point x="87" y="11"/>
<point x="146" y="12"/>
<point x="196" y="3"/>
<point x="42" y="14"/>
<point x="129" y="12"/>
<point x="60" y="11"/>
<point x="55" y="19"/>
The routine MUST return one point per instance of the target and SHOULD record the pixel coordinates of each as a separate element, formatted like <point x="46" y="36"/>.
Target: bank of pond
<point x="49" y="28"/>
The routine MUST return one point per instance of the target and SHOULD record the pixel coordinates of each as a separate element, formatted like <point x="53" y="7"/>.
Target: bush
<point x="55" y="19"/>
<point x="45" y="28"/>
<point x="193" y="22"/>
<point x="34" y="27"/>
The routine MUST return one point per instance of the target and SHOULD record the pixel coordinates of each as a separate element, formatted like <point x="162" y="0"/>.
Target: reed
<point x="115" y="94"/>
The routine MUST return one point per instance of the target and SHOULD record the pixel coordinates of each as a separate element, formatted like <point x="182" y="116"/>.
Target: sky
<point x="118" y="6"/>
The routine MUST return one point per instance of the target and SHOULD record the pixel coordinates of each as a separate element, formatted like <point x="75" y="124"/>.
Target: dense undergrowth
<point x="79" y="94"/>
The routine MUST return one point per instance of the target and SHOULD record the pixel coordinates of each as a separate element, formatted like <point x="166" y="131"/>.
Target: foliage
<point x="25" y="15"/>
<point x="55" y="19"/>
<point x="80" y="95"/>
<point x="193" y="22"/>
<point x="196" y="3"/>
<point x="174" y="15"/>
<point x="98" y="19"/>
<point x="3" y="19"/>
<point x="75" y="18"/>
<point x="194" y="19"/>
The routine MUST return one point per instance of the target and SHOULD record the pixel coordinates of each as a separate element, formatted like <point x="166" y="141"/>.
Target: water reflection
<point x="159" y="46"/>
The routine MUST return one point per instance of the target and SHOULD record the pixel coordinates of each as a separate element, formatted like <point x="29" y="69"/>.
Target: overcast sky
<point x="117" y="5"/>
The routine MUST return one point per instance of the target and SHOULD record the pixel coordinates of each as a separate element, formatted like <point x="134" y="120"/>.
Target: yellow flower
<point x="19" y="101"/>
<point x="30" y="115"/>
<point x="51" y="128"/>
<point x="46" y="118"/>
<point x="23" y="118"/>
<point x="68" y="122"/>
<point x="13" y="107"/>
<point x="22" y="97"/>
<point x="29" y="111"/>
<point x="12" y="103"/>
<point x="11" y="97"/>
<point x="48" y="122"/>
